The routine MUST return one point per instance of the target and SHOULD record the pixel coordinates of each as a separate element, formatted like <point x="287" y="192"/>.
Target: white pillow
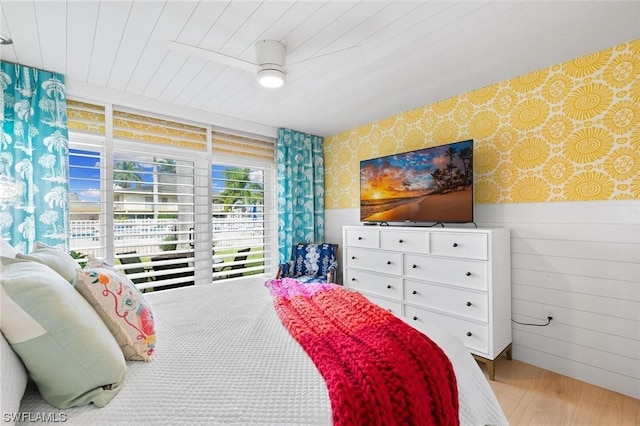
<point x="14" y="378"/>
<point x="6" y="250"/>
<point x="55" y="258"/>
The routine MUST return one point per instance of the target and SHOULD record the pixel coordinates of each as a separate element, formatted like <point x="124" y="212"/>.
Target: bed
<point x="223" y="356"/>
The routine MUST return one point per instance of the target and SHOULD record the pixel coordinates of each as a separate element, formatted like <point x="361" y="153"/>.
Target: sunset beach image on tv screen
<point x="428" y="185"/>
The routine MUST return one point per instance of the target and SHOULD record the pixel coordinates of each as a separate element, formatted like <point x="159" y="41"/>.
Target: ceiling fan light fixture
<point x="271" y="78"/>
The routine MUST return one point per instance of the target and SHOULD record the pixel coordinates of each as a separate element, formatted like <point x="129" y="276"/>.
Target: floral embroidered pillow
<point x="122" y="308"/>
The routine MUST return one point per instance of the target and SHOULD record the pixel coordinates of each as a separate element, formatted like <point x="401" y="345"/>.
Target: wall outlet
<point x="548" y="314"/>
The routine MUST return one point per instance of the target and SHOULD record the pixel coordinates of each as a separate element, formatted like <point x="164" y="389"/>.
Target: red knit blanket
<point x="378" y="369"/>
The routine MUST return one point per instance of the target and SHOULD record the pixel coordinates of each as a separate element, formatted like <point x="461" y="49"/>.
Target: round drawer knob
<point x="455" y="244"/>
<point x="414" y="292"/>
<point x="468" y="274"/>
<point x="469" y="334"/>
<point x="400" y="241"/>
<point x="388" y="285"/>
<point x="415" y="318"/>
<point x="359" y="238"/>
<point x="388" y="262"/>
<point x="353" y="279"/>
<point x="353" y="258"/>
<point x="414" y="266"/>
<point x="468" y="303"/>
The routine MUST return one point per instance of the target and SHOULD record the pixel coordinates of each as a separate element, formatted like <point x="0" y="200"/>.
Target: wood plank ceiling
<point x="412" y="53"/>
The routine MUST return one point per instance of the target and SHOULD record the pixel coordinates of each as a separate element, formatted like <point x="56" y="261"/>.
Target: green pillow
<point x="54" y="258"/>
<point x="68" y="351"/>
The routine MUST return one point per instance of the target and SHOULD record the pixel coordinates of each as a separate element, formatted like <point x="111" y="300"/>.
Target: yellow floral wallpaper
<point x="570" y="132"/>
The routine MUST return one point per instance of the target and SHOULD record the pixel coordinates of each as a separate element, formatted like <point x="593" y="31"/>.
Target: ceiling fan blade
<point x="348" y="57"/>
<point x="212" y="56"/>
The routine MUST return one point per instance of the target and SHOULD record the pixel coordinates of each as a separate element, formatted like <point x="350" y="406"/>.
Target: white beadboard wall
<point x="581" y="261"/>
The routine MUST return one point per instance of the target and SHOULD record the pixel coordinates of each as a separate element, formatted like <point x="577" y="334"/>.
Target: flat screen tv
<point x="433" y="184"/>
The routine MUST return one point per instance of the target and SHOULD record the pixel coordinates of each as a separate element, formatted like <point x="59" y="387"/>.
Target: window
<point x="86" y="200"/>
<point x="154" y="236"/>
<point x="240" y="223"/>
<point x="152" y="217"/>
<point x="244" y="228"/>
<point x="166" y="214"/>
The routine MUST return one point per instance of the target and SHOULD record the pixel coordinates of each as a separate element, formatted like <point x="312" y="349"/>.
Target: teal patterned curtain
<point x="33" y="157"/>
<point x="300" y="165"/>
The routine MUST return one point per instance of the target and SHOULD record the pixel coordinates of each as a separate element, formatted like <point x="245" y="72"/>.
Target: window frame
<point x="203" y="227"/>
<point x="269" y="220"/>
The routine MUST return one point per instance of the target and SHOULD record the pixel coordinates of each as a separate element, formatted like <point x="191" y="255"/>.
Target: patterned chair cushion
<point x="311" y="279"/>
<point x="311" y="263"/>
<point x="314" y="260"/>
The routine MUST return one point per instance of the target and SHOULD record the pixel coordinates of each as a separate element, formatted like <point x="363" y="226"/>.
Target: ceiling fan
<point x="270" y="64"/>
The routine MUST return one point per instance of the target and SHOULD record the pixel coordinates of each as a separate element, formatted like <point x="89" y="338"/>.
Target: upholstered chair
<point x="311" y="263"/>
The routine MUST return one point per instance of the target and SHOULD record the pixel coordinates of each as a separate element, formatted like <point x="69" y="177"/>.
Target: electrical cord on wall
<point x="549" y="318"/>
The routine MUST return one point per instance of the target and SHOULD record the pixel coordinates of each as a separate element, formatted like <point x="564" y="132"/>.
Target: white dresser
<point x="455" y="278"/>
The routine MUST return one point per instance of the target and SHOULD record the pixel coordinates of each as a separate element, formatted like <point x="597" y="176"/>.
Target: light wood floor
<point x="532" y="396"/>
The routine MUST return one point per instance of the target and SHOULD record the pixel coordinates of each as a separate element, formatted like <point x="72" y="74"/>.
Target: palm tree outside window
<point x="126" y="174"/>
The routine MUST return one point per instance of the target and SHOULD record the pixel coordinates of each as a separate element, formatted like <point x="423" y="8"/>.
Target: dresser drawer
<point x="369" y="282"/>
<point x="475" y="336"/>
<point x="393" y="306"/>
<point x="462" y="273"/>
<point x="407" y="241"/>
<point x="468" y="246"/>
<point x="464" y="303"/>
<point x="361" y="237"/>
<point x="387" y="262"/>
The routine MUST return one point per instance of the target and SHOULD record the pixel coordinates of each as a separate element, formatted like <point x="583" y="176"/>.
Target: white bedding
<point x="223" y="357"/>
